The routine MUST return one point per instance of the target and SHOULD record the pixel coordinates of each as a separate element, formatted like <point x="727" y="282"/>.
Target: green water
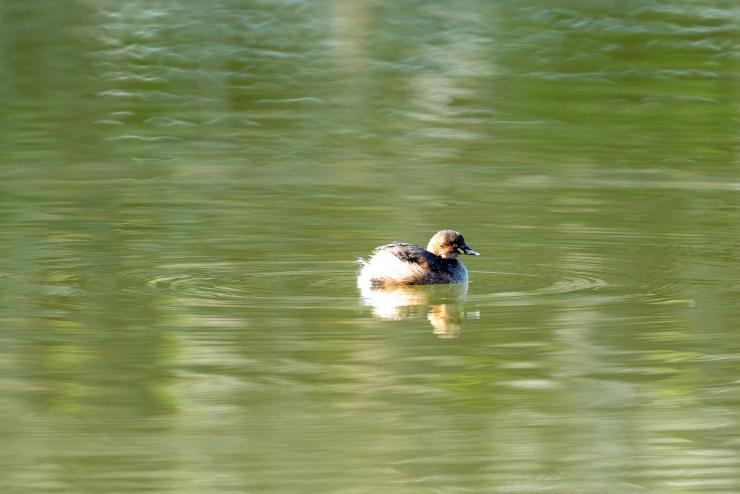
<point x="185" y="187"/>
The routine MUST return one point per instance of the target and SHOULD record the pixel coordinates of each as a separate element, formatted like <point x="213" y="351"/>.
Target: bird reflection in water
<point x="441" y="304"/>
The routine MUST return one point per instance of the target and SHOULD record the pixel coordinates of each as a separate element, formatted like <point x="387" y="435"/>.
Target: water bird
<point x="400" y="263"/>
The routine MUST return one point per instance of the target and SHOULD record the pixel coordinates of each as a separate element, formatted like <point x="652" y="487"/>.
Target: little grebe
<point x="409" y="264"/>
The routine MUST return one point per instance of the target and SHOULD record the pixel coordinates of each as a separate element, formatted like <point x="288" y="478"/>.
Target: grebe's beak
<point x="467" y="250"/>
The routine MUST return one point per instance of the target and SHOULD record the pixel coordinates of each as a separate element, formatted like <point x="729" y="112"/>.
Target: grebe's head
<point x="449" y="244"/>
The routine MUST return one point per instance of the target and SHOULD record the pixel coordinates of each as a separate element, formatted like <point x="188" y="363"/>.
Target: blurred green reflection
<point x="184" y="187"/>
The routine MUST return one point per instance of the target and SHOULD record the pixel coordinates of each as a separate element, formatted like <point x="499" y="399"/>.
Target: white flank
<point x="385" y="265"/>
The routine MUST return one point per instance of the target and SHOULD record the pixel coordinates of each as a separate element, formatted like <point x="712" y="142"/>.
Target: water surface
<point x="185" y="187"/>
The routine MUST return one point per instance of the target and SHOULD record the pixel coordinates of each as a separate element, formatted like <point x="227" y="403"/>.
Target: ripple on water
<point x="285" y="284"/>
<point x="332" y="284"/>
<point x="530" y="289"/>
<point x="301" y="285"/>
